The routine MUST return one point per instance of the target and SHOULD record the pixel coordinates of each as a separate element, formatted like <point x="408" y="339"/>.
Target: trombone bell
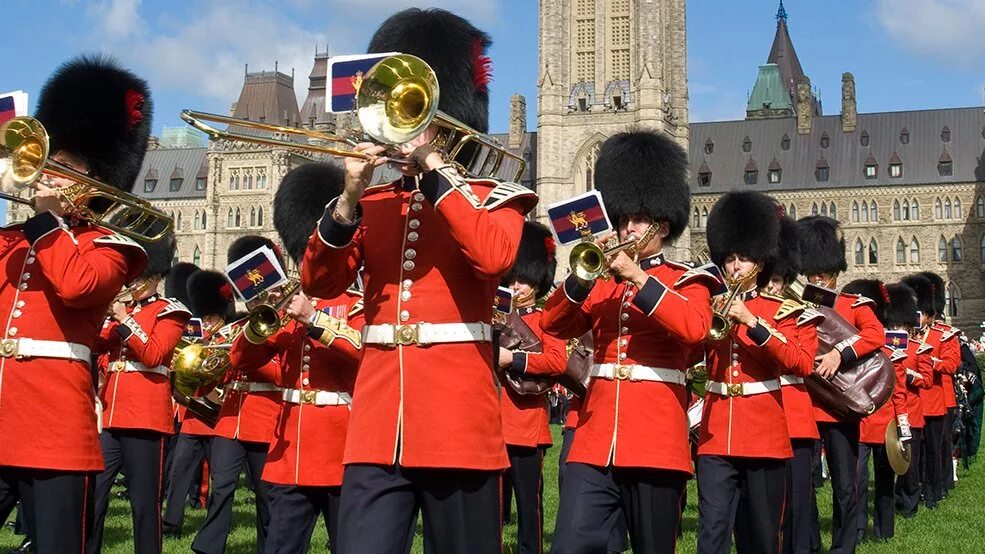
<point x="263" y="322"/>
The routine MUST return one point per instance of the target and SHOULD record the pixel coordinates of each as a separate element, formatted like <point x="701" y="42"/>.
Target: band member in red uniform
<point x="797" y="406"/>
<point x="250" y="405"/>
<point x="950" y="360"/>
<point x="631" y="447"/>
<point x="744" y="443"/>
<point x="426" y="432"/>
<point x="525" y="425"/>
<point x="896" y="309"/>
<point x="135" y="349"/>
<point x="61" y="276"/>
<point x="821" y="237"/>
<point x="303" y="473"/>
<point x="211" y="298"/>
<point x="919" y="376"/>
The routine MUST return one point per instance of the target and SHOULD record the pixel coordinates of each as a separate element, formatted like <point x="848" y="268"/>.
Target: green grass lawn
<point x="956" y="527"/>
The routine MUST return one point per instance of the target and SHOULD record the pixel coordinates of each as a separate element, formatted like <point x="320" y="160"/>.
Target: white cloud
<point x="118" y="19"/>
<point x="948" y="31"/>
<point x="479" y="11"/>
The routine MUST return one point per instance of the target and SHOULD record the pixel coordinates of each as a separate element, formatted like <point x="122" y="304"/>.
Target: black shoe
<point x="172" y="531"/>
<point x="26" y="547"/>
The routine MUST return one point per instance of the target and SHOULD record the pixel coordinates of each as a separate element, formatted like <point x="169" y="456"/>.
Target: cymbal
<point x="897" y="452"/>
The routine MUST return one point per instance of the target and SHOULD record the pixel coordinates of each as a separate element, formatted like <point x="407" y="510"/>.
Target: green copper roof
<point x="769" y="90"/>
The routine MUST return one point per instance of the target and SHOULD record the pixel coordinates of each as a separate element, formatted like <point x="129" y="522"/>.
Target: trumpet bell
<point x="397" y="99"/>
<point x="587" y="261"/>
<point x="24" y="150"/>
<point x="263" y="322"/>
<point x="720" y="327"/>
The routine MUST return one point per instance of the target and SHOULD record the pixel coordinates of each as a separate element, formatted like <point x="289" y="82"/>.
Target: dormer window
<point x="785" y="142"/>
<point x="583" y="105"/>
<point x="775" y="172"/>
<point x="946" y="134"/>
<point x="871" y="169"/>
<point x="825" y="140"/>
<point x="751" y="175"/>
<point x="895" y="166"/>
<point x="863" y="139"/>
<point x="944" y="165"/>
<point x="746" y="145"/>
<point x="704" y="175"/>
<point x="709" y="146"/>
<point x="904" y="136"/>
<point x="821" y="170"/>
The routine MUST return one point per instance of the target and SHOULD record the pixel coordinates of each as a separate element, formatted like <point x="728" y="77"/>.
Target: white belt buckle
<point x="622" y="372"/>
<point x="307" y="396"/>
<point x="9" y="348"/>
<point x="734" y="389"/>
<point x="406" y="335"/>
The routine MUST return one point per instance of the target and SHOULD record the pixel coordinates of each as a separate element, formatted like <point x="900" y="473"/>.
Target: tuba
<point x="265" y="318"/>
<point x="588" y="260"/>
<point x="396" y="100"/>
<point x="24" y="158"/>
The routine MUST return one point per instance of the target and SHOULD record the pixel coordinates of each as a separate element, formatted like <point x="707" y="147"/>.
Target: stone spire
<point x="518" y="121"/>
<point x="849" y="108"/>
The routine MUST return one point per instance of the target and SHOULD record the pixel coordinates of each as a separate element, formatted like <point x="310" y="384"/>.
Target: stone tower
<point x="604" y="65"/>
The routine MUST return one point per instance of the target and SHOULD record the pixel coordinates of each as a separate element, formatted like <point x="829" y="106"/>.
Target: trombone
<point x="24" y="158"/>
<point x="588" y="260"/>
<point x="396" y="100"/>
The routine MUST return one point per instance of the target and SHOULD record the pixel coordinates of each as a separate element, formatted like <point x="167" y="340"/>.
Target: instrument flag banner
<point x="504" y="300"/>
<point x="12" y="104"/>
<point x="194" y="329"/>
<point x="345" y="73"/>
<point x="255" y="273"/>
<point x="721" y="287"/>
<point x="897" y="339"/>
<point x="818" y="295"/>
<point x="578" y="218"/>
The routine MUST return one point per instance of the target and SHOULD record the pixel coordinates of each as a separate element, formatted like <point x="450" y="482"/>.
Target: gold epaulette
<point x="788" y="308"/>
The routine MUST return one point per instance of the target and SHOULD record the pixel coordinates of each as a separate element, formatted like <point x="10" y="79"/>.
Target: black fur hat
<point x="160" y="255"/>
<point x="744" y="223"/>
<point x="902" y="309"/>
<point x="873" y="289"/>
<point x="210" y="293"/>
<point x="787" y="261"/>
<point x="940" y="300"/>
<point x="456" y="51"/>
<point x="925" y="292"/>
<point x="536" y="259"/>
<point x="822" y="244"/>
<point x="176" y="283"/>
<point x="300" y="202"/>
<point x="247" y="244"/>
<point x="641" y="172"/>
<point x="93" y="108"/>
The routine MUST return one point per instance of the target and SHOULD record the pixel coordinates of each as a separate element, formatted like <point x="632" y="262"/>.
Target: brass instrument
<point x="721" y="326"/>
<point x="24" y="158"/>
<point x="197" y="363"/>
<point x="265" y="318"/>
<point x="396" y="100"/>
<point x="588" y="260"/>
<point x="126" y="295"/>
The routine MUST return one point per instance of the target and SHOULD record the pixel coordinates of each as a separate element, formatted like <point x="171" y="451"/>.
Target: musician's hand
<point x="740" y="313"/>
<point x="419" y="149"/>
<point x="622" y="266"/>
<point x="300" y="308"/>
<point x="505" y="359"/>
<point x="358" y="175"/>
<point x="119" y="311"/>
<point x="828" y="364"/>
<point x="48" y="199"/>
<point x="903" y="423"/>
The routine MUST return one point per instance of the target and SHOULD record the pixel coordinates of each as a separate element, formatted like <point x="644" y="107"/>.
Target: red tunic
<point x="857" y="310"/>
<point x="430" y="255"/>
<point x="57" y="284"/>
<point x="139" y="399"/>
<point x="872" y="429"/>
<point x="574" y="406"/>
<point x="525" y="416"/>
<point x="950" y="356"/>
<point x="250" y="416"/>
<point x="933" y="398"/>
<point x="309" y="440"/>
<point x="920" y="376"/>
<point x="628" y="423"/>
<point x="797" y="405"/>
<point x="754" y="426"/>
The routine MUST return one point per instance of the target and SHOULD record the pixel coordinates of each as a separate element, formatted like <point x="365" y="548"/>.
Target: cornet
<point x="721" y="325"/>
<point x="265" y="319"/>
<point x="589" y="261"/>
<point x="24" y="158"/>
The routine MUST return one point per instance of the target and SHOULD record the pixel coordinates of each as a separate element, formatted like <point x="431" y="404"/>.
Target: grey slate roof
<point x="845" y="155"/>
<point x="527" y="146"/>
<point x="161" y="164"/>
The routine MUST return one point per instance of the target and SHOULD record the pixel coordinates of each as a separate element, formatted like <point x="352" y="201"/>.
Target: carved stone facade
<point x="849" y="107"/>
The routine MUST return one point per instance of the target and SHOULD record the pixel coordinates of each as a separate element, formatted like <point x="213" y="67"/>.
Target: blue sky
<point x="905" y="54"/>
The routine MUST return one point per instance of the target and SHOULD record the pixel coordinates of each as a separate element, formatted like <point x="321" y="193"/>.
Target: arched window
<point x="793" y="211"/>
<point x="197" y="256"/>
<point x="900" y="251"/>
<point x="238" y="220"/>
<point x="896" y="210"/>
<point x="231" y="181"/>
<point x="704" y="217"/>
<point x="696" y="219"/>
<point x="865" y="212"/>
<point x="177" y="223"/>
<point x="957" y="208"/>
<point x="584" y="170"/>
<point x="824" y="209"/>
<point x="198" y="219"/>
<point x="859" y="252"/>
<point x="229" y="218"/>
<point x="833" y="211"/>
<point x="947" y="208"/>
<point x="980" y="207"/>
<point x="914" y="210"/>
<point x="855" y="211"/>
<point x="906" y="210"/>
<point x="952" y="299"/>
<point x="956" y="249"/>
<point x="938" y="210"/>
<point x="873" y="212"/>
<point x="253" y="217"/>
<point x="942" y="250"/>
<point x="814" y="210"/>
<point x="205" y="219"/>
<point x="914" y="251"/>
<point x="260" y="216"/>
<point x="873" y="251"/>
<point x="236" y="186"/>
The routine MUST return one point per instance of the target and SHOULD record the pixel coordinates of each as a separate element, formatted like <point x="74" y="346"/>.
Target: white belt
<point x="33" y="348"/>
<point x="786" y="380"/>
<point x="634" y="372"/>
<point x="129" y="366"/>
<point x="423" y="334"/>
<point x="252" y="386"/>
<point x="317" y="397"/>
<point x="742" y="389"/>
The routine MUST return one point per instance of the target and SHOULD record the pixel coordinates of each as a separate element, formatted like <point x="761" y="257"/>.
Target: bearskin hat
<point x="744" y="223"/>
<point x="873" y="289"/>
<point x="95" y="109"/>
<point x="902" y="309"/>
<point x="210" y="293"/>
<point x="160" y="255"/>
<point x="249" y="243"/>
<point x="456" y="51"/>
<point x="925" y="292"/>
<point x="300" y="202"/>
<point x="536" y="259"/>
<point x="822" y="244"/>
<point x="940" y="299"/>
<point x="641" y="172"/>
<point x="176" y="283"/>
<point x="787" y="262"/>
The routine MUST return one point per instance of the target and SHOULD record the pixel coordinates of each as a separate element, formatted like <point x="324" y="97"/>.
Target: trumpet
<point x="396" y="100"/>
<point x="721" y="325"/>
<point x="588" y="260"/>
<point x="265" y="319"/>
<point x="24" y="158"/>
<point x="126" y="295"/>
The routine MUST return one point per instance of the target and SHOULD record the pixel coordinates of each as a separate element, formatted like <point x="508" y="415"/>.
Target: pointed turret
<point x="782" y="54"/>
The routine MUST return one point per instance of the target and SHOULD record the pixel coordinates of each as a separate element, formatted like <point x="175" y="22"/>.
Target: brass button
<point x="306" y="359"/>
<point x="623" y="342"/>
<point x="416" y="206"/>
<point x="29" y="260"/>
<point x="409" y="265"/>
<point x="307" y="347"/>
<point x="412" y="236"/>
<point x="404" y="315"/>
<point x="625" y="304"/>
<point x="624" y="317"/>
<point x="414" y="223"/>
<point x="17" y="313"/>
<point x="405" y="295"/>
<point x="407" y="283"/>
<point x="304" y="381"/>
<point x="734" y="364"/>
<point x="622" y="356"/>
<point x="20" y="304"/>
<point x="735" y="373"/>
<point x="410" y="254"/>
<point x="418" y="197"/>
<point x="305" y="367"/>
<point x="624" y="330"/>
<point x="12" y="331"/>
<point x="22" y="286"/>
<point x="25" y="277"/>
